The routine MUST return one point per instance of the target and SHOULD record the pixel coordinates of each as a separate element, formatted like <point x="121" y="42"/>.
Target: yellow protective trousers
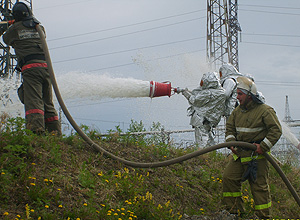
<point x="232" y="194"/>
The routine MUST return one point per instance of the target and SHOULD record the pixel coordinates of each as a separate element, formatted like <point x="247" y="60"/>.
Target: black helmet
<point x="21" y="12"/>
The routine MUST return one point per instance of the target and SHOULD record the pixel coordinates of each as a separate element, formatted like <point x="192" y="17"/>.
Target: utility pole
<point x="8" y="60"/>
<point x="222" y="33"/>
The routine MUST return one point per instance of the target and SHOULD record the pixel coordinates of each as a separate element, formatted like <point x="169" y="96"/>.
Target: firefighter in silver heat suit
<point x="207" y="106"/>
<point x="228" y="75"/>
<point x="253" y="122"/>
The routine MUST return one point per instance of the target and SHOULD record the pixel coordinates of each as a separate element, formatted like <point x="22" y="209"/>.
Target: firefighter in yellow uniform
<point x="253" y="122"/>
<point x="36" y="90"/>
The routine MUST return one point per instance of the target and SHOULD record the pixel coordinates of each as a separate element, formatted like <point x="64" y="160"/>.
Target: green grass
<point x="49" y="177"/>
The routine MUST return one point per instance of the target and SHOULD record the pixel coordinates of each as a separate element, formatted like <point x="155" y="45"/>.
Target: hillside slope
<point x="49" y="177"/>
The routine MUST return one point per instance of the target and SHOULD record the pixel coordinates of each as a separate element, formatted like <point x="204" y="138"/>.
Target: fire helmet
<point x="21" y="11"/>
<point x="246" y="85"/>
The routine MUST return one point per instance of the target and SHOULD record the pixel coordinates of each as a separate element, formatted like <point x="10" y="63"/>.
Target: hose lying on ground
<point x="155" y="164"/>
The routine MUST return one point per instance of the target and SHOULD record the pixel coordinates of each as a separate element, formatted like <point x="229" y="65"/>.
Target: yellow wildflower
<point x="167" y="203"/>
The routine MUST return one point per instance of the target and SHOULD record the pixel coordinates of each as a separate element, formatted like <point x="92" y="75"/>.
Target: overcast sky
<point x="165" y="40"/>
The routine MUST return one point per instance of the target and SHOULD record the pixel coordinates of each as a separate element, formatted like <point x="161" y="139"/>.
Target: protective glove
<point x="251" y="172"/>
<point x="178" y="90"/>
<point x="186" y="93"/>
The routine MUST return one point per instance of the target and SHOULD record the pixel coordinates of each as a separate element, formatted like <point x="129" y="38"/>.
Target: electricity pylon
<point x="222" y="32"/>
<point x="8" y="60"/>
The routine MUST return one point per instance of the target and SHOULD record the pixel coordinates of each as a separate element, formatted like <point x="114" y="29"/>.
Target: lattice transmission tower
<point x="287" y="114"/>
<point x="222" y="32"/>
<point x="8" y="60"/>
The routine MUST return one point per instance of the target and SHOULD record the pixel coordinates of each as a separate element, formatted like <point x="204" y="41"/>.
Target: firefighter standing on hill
<point x="257" y="123"/>
<point x="36" y="90"/>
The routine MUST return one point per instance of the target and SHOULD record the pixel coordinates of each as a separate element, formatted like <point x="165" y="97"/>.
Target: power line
<point x="270" y="12"/>
<point x="270" y="35"/>
<point x="124" y="26"/>
<point x="68" y="4"/>
<point x="158" y="45"/>
<point x="270" y="44"/>
<point x="287" y="84"/>
<point x="121" y="35"/>
<point x="116" y="122"/>
<point x="97" y="103"/>
<point x="129" y="50"/>
<point x="128" y="64"/>
<point x="269" y="6"/>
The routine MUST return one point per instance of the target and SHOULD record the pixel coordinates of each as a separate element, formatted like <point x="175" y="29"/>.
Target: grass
<point x="50" y="177"/>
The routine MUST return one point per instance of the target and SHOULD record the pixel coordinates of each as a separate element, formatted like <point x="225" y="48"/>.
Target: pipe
<point x="155" y="164"/>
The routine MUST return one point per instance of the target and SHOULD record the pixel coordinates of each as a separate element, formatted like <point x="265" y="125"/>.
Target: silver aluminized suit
<point x="257" y="123"/>
<point x="228" y="75"/>
<point x="207" y="105"/>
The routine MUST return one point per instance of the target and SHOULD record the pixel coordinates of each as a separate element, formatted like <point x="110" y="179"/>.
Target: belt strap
<point x="31" y="57"/>
<point x="31" y="65"/>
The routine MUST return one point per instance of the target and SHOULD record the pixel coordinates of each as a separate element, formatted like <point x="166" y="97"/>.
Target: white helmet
<point x="247" y="85"/>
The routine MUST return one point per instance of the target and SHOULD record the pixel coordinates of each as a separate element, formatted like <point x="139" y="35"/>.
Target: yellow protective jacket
<point x="256" y="123"/>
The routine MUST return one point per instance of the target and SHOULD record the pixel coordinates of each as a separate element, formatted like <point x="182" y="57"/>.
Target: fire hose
<point x="154" y="164"/>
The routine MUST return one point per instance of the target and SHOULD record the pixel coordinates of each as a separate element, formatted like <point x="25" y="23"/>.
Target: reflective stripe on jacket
<point x="256" y="123"/>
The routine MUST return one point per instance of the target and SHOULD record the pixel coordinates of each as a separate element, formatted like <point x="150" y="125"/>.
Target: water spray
<point x="98" y="86"/>
<point x="165" y="91"/>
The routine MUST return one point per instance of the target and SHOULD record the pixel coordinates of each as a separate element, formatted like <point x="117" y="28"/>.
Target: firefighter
<point x="228" y="74"/>
<point x="36" y="90"/>
<point x="253" y="122"/>
<point x="207" y="103"/>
